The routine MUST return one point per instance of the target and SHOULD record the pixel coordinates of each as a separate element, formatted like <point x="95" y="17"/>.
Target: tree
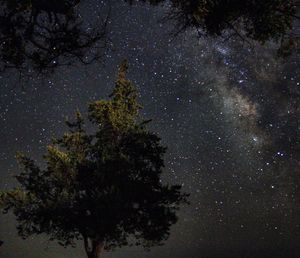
<point x="103" y="187"/>
<point x="268" y="20"/>
<point x="41" y="35"/>
<point x="260" y="20"/>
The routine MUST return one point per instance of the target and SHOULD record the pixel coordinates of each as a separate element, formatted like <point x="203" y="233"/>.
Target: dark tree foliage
<point x="259" y="20"/>
<point x="41" y="35"/>
<point x="103" y="187"/>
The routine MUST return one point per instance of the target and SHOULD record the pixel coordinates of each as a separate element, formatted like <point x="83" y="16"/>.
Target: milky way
<point x="228" y="112"/>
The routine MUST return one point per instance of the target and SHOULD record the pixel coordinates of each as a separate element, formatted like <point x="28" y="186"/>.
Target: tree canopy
<point x="103" y="187"/>
<point x="257" y="20"/>
<point x="41" y="35"/>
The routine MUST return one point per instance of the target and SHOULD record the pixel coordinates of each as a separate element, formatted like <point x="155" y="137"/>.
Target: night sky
<point x="228" y="113"/>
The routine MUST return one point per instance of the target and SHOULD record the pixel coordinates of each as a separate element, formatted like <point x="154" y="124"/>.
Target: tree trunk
<point x="93" y="248"/>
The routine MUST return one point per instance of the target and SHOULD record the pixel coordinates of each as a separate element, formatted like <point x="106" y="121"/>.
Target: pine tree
<point x="102" y="187"/>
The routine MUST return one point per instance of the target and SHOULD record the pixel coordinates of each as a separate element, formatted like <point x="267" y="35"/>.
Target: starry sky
<point x="227" y="111"/>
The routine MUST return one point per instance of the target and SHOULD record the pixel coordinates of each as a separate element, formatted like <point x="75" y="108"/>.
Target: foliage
<point x="41" y="35"/>
<point x="103" y="187"/>
<point x="248" y="19"/>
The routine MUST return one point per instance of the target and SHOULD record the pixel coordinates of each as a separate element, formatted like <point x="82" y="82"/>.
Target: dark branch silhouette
<point x="248" y="20"/>
<point x="41" y="35"/>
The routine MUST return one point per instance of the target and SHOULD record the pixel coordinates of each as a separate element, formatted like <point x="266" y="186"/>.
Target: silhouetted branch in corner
<point x="39" y="35"/>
